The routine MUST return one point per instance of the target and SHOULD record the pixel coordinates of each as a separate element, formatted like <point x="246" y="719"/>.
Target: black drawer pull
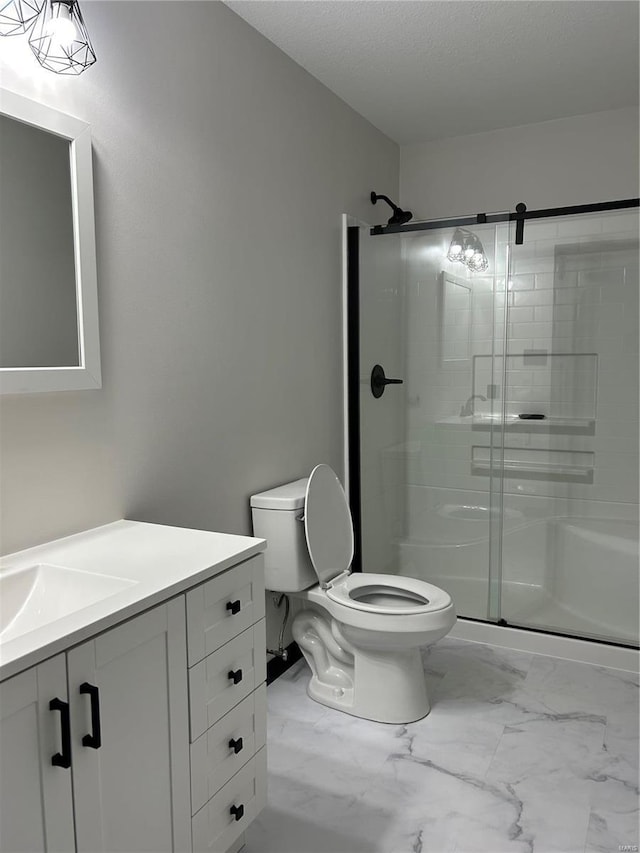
<point x="236" y="676"/>
<point x="237" y="812"/>
<point x="236" y="745"/>
<point x="62" y="759"/>
<point x="234" y="606"/>
<point x="94" y="740"/>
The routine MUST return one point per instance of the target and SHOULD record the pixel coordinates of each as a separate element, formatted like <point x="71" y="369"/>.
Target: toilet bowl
<point x="361" y="633"/>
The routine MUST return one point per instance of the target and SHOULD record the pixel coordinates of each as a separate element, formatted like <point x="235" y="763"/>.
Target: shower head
<point x="399" y="216"/>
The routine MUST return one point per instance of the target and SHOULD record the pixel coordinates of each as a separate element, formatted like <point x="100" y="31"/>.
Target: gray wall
<point x="576" y="160"/>
<point x="221" y="171"/>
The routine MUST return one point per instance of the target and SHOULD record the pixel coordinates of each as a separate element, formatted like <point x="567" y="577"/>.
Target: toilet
<point x="360" y="633"/>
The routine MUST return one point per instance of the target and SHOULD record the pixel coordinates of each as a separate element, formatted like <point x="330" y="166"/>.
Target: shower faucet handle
<point x="379" y="381"/>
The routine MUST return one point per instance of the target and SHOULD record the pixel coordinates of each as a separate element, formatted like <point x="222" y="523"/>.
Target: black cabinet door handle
<point x="235" y="676"/>
<point x="94" y="740"/>
<point x="234" y="606"/>
<point x="236" y="745"/>
<point x="237" y="811"/>
<point x="379" y="381"/>
<point x="62" y="759"/>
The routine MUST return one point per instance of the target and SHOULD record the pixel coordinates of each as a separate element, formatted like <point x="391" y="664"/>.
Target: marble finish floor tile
<point x="520" y="754"/>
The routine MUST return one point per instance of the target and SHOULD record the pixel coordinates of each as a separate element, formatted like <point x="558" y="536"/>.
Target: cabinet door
<point x="131" y="792"/>
<point x="36" y="810"/>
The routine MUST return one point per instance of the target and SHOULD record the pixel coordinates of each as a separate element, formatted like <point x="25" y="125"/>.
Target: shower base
<point x="531" y="606"/>
<point x="553" y="645"/>
<point x="570" y="574"/>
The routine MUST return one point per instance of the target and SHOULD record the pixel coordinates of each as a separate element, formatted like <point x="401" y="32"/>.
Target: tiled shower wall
<point x="573" y="299"/>
<point x="573" y="312"/>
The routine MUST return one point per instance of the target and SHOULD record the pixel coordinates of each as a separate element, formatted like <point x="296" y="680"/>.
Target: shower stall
<point x="504" y="466"/>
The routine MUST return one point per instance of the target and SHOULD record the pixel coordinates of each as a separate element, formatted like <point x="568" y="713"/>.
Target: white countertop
<point x="160" y="561"/>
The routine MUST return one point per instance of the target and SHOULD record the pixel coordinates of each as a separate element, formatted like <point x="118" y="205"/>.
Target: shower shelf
<point x="532" y="471"/>
<point x="585" y="426"/>
<point x="569" y="466"/>
<point x="512" y="423"/>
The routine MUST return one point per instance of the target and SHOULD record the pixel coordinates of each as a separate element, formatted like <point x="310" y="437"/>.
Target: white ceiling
<point x="428" y="69"/>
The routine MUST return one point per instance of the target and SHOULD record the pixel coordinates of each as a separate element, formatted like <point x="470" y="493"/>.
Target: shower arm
<point x="375" y="196"/>
<point x="399" y="216"/>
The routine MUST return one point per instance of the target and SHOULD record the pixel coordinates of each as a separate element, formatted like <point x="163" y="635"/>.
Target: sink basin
<point x="41" y="594"/>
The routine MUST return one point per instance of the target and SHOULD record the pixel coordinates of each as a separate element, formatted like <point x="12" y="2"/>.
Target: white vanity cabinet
<point x="227" y="705"/>
<point x="36" y="809"/>
<point x="128" y="729"/>
<point x="141" y="775"/>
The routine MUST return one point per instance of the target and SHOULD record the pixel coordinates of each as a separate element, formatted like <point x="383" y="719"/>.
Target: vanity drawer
<point x="212" y="691"/>
<point x="214" y="760"/>
<point x="214" y="827"/>
<point x="223" y="607"/>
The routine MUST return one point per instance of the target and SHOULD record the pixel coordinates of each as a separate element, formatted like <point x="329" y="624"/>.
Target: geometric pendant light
<point x="17" y="16"/>
<point x="60" y="40"/>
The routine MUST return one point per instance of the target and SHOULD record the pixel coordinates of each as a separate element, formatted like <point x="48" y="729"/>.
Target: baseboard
<point x="277" y="666"/>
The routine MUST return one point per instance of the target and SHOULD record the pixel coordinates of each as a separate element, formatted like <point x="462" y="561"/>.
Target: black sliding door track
<point x="520" y="215"/>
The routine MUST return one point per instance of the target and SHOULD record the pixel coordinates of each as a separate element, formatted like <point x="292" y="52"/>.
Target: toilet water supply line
<point x="281" y="652"/>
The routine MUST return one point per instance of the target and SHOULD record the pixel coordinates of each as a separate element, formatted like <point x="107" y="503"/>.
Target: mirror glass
<point x="48" y="292"/>
<point x="38" y="310"/>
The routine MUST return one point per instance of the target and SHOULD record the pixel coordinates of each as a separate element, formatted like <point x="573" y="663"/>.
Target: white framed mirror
<point x="49" y="337"/>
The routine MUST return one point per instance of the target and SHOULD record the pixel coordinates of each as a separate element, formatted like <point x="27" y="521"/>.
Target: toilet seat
<point x="326" y="509"/>
<point x="387" y="594"/>
<point x="327" y="525"/>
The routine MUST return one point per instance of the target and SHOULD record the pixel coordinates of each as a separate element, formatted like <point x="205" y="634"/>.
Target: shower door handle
<point x="379" y="381"/>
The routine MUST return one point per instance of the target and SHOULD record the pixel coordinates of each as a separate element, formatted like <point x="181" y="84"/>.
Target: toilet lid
<point x="327" y="524"/>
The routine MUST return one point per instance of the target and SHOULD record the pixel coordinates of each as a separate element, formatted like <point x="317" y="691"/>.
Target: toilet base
<point x="387" y="687"/>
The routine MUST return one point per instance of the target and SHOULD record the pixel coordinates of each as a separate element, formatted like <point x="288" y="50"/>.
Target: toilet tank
<point x="276" y="516"/>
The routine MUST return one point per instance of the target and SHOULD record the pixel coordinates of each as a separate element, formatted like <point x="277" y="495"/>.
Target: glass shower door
<point x="430" y="449"/>
<point x="570" y="545"/>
